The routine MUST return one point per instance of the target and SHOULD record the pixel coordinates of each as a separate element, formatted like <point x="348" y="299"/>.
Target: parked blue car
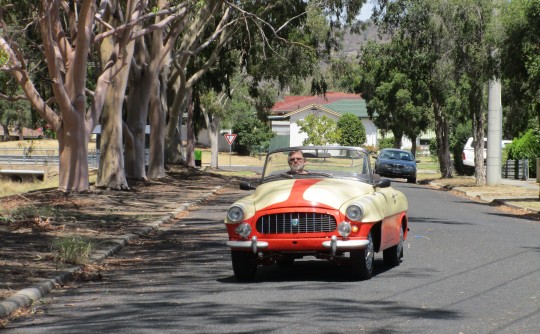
<point x="392" y="162"/>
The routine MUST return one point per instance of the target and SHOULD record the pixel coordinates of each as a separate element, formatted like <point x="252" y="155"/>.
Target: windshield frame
<point x="342" y="162"/>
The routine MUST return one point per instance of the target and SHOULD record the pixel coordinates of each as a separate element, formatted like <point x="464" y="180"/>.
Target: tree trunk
<point x="413" y="145"/>
<point x="478" y="137"/>
<point x="173" y="137"/>
<point x="443" y="140"/>
<point x="213" y="125"/>
<point x="141" y="82"/>
<point x="156" y="166"/>
<point x="6" y="132"/>
<point x="73" y="139"/>
<point x="190" y="159"/>
<point x="111" y="173"/>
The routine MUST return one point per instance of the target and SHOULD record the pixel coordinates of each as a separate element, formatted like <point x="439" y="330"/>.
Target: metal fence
<point x="42" y="157"/>
<point x="516" y="169"/>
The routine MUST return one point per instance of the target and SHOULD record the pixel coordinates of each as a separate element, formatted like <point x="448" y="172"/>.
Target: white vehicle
<point x="468" y="151"/>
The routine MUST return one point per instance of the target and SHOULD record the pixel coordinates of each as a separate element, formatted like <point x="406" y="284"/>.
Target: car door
<point x="391" y="222"/>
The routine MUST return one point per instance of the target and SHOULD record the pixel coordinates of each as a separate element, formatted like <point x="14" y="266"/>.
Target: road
<point x="468" y="268"/>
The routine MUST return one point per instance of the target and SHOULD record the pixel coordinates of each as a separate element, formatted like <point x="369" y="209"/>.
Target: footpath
<point x="166" y="199"/>
<point x="517" y="194"/>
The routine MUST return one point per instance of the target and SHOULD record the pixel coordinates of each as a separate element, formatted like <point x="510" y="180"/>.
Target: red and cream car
<point x="334" y="209"/>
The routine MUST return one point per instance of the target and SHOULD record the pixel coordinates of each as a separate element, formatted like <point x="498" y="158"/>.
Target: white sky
<point x="365" y="13"/>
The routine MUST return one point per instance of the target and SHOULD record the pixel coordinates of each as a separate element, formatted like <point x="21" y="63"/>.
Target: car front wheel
<point x="362" y="261"/>
<point x="244" y="265"/>
<point x="393" y="255"/>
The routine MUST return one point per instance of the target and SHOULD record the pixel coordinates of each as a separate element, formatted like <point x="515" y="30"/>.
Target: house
<point x="284" y="115"/>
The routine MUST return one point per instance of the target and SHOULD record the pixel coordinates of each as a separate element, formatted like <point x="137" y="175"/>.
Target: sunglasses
<point x="295" y="159"/>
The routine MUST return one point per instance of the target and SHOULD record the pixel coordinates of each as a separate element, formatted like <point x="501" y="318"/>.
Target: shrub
<point x="526" y="147"/>
<point x="253" y="136"/>
<point x="386" y="143"/>
<point x="433" y="147"/>
<point x="353" y="132"/>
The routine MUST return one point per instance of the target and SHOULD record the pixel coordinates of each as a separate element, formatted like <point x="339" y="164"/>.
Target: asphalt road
<point x="468" y="268"/>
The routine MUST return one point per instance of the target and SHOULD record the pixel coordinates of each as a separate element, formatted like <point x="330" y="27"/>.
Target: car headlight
<point x="243" y="230"/>
<point x="354" y="212"/>
<point x="235" y="214"/>
<point x="344" y="228"/>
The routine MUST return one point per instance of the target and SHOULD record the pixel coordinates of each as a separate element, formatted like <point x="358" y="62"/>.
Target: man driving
<point x="297" y="162"/>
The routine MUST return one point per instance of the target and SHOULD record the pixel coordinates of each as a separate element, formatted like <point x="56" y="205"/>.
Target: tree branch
<point x="182" y="10"/>
<point x="18" y="71"/>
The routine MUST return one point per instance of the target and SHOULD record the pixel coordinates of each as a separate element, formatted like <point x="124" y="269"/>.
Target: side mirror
<point x="417" y="161"/>
<point x="244" y="185"/>
<point x="384" y="183"/>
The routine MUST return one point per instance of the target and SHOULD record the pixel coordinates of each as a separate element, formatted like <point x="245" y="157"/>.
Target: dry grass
<point x="9" y="188"/>
<point x="38" y="144"/>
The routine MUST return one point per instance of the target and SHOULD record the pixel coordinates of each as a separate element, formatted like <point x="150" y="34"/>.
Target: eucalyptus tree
<point x="519" y="50"/>
<point x="67" y="34"/>
<point x="422" y="44"/>
<point x="397" y="99"/>
<point x="67" y="67"/>
<point x="469" y="22"/>
<point x="111" y="172"/>
<point x="273" y="40"/>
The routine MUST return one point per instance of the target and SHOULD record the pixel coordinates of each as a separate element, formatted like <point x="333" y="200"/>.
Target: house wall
<point x="281" y="128"/>
<point x="371" y="132"/>
<point x="204" y="139"/>
<point x="297" y="136"/>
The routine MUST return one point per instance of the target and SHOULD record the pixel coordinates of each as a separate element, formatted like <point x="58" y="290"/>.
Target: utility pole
<point x="494" y="135"/>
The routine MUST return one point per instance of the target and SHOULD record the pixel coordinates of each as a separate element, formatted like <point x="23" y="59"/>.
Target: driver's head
<point x="297" y="161"/>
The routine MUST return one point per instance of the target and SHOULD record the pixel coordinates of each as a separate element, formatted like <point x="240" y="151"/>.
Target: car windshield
<point x="396" y="155"/>
<point x="335" y="162"/>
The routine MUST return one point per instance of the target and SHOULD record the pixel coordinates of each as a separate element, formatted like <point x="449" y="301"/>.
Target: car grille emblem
<point x="295" y="222"/>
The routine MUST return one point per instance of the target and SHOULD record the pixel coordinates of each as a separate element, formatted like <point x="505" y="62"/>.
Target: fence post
<point x="525" y="169"/>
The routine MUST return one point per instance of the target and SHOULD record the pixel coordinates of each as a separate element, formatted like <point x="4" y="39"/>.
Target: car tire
<point x="393" y="255"/>
<point x="244" y="265"/>
<point x="363" y="260"/>
<point x="411" y="180"/>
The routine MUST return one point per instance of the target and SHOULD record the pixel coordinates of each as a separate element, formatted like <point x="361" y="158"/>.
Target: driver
<point x="297" y="162"/>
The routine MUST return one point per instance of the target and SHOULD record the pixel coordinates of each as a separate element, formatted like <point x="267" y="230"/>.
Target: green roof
<point x="355" y="107"/>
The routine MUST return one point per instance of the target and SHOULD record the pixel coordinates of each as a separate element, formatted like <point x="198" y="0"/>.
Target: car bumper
<point x="396" y="173"/>
<point x="291" y="245"/>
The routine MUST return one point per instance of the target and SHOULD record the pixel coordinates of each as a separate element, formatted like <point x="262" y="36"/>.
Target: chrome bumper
<point x="252" y="244"/>
<point x="334" y="244"/>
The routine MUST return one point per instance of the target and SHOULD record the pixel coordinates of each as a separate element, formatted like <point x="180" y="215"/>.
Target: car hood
<point x="327" y="193"/>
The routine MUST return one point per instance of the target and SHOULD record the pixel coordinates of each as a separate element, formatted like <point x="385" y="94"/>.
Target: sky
<point x="365" y="13"/>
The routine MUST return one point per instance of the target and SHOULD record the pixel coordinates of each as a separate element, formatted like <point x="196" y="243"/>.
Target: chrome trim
<point x="296" y="222"/>
<point x="341" y="244"/>
<point x="253" y="244"/>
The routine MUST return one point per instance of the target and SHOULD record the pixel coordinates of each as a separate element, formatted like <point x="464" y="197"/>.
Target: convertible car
<point x="334" y="208"/>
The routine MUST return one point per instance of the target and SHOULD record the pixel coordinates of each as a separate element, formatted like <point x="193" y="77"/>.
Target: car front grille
<point x="297" y="222"/>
